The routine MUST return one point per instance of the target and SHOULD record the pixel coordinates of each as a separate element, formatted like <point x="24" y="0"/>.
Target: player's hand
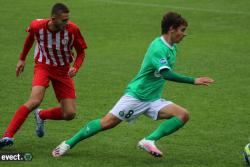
<point x="72" y="72"/>
<point x="203" y="81"/>
<point x="20" y="67"/>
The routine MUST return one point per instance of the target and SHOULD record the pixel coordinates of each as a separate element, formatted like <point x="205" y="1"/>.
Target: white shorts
<point x="129" y="108"/>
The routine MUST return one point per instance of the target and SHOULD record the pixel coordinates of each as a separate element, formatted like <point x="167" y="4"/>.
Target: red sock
<point x="18" y="119"/>
<point x="52" y="113"/>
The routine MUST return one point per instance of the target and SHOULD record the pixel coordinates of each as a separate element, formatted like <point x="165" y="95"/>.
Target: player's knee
<point x="184" y="115"/>
<point x="108" y="124"/>
<point x="69" y="116"/>
<point x="33" y="103"/>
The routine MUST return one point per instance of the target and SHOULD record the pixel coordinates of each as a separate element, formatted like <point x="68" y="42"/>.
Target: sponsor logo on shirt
<point x="163" y="61"/>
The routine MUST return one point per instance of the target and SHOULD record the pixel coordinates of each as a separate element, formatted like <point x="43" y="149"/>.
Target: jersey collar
<point x="166" y="43"/>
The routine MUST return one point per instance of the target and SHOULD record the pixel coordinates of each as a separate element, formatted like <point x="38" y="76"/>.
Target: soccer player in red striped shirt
<point x="55" y="38"/>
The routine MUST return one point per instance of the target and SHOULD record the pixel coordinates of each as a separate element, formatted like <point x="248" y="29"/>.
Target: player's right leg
<point x="21" y="114"/>
<point x="65" y="93"/>
<point x="91" y="128"/>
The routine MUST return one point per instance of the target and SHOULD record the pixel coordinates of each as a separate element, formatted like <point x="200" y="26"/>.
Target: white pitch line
<point x="172" y="7"/>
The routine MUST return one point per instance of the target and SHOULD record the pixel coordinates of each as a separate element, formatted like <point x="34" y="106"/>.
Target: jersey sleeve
<point x="79" y="45"/>
<point x="28" y="42"/>
<point x="159" y="60"/>
<point x="31" y="28"/>
<point x="79" y="42"/>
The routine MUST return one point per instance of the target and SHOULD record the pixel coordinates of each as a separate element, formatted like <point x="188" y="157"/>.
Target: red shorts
<point x="62" y="83"/>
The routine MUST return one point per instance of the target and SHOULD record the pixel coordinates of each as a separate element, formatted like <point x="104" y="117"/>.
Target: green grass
<point x="118" y="34"/>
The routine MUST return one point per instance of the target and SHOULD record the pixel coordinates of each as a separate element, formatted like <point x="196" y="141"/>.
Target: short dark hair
<point x="59" y="8"/>
<point x="172" y="19"/>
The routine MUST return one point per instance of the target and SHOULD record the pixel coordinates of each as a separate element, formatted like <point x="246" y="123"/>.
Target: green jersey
<point x="148" y="84"/>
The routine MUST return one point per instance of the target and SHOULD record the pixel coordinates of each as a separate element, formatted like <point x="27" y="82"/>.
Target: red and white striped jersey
<point x="55" y="48"/>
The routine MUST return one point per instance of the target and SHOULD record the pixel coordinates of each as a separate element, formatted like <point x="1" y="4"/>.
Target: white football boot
<point x="150" y="147"/>
<point x="61" y="149"/>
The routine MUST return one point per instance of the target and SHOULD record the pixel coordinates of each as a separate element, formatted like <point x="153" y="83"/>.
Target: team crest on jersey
<point x="157" y="74"/>
<point x="121" y="113"/>
<point x="163" y="61"/>
<point x="64" y="41"/>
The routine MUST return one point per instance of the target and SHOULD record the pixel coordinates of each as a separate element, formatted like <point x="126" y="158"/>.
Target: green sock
<point x="166" y="128"/>
<point x="92" y="128"/>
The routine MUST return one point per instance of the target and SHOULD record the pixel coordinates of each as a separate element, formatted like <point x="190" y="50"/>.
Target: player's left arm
<point x="77" y="64"/>
<point x="80" y="46"/>
<point x="171" y="75"/>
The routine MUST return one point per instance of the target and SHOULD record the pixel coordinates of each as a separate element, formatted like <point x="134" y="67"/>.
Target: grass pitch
<point x="118" y="33"/>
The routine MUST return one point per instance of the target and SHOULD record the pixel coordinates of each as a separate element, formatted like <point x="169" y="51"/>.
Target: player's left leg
<point x="109" y="121"/>
<point x="65" y="93"/>
<point x="64" y="89"/>
<point x="68" y="107"/>
<point x="65" y="112"/>
<point x="127" y="108"/>
<point x="175" y="116"/>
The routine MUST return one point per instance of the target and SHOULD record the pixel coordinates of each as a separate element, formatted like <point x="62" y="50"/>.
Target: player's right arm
<point x="26" y="48"/>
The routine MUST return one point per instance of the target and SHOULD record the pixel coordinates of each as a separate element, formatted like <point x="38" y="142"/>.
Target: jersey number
<point x="129" y="114"/>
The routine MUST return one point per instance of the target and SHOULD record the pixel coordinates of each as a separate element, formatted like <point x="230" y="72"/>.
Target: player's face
<point x="179" y="33"/>
<point x="61" y="20"/>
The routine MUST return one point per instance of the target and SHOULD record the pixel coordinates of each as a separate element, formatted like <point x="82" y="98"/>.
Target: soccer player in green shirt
<point x="143" y="93"/>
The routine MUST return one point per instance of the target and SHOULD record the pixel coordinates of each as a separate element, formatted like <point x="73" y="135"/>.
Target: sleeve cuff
<point x="164" y="67"/>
